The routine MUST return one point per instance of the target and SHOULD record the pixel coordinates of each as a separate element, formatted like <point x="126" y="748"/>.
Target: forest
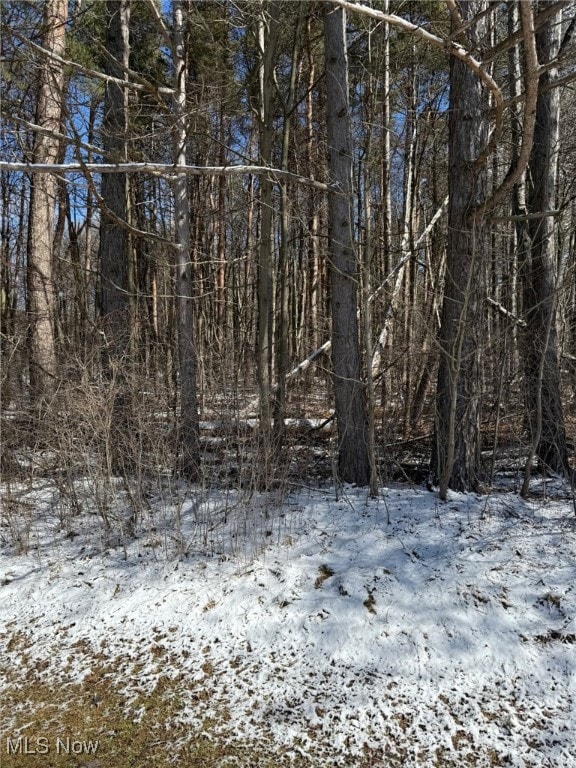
<point x="287" y="383"/>
<point x="339" y="233"/>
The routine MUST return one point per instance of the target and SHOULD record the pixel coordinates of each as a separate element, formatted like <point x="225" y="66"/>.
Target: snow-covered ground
<point x="422" y="632"/>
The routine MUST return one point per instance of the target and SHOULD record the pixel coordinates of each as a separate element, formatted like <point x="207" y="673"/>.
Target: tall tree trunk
<point x="113" y="256"/>
<point x="86" y="291"/>
<point x="544" y="402"/>
<point x="267" y="35"/>
<point x="353" y="463"/>
<point x="113" y="246"/>
<point x="406" y="250"/>
<point x="189" y="427"/>
<point x="366" y="269"/>
<point x="315" y="293"/>
<point x="520" y="245"/>
<point x="220" y="308"/>
<point x="386" y="152"/>
<point x="455" y="455"/>
<point x="282" y="326"/>
<point x="40" y="286"/>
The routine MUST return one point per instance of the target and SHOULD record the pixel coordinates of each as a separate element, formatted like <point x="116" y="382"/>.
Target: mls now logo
<point x="25" y="746"/>
<point x="42" y="746"/>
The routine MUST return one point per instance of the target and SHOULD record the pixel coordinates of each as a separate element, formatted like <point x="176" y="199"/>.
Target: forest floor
<point x="289" y="630"/>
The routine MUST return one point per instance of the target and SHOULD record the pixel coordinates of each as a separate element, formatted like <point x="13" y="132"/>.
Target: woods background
<point x="252" y="243"/>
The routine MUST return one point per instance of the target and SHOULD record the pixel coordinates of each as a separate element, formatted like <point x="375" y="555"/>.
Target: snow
<point x="431" y="633"/>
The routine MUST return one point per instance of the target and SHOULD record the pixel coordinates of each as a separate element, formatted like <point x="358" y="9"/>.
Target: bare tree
<point x="455" y="455"/>
<point x="113" y="243"/>
<point x="282" y="325"/>
<point x="267" y="34"/>
<point x="189" y="430"/>
<point x="353" y="463"/>
<point x="40" y="285"/>
<point x="222" y="241"/>
<point x="113" y="248"/>
<point x="544" y="400"/>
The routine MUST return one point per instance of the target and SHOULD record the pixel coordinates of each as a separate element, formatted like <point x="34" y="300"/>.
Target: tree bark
<point x="189" y="427"/>
<point x="353" y="464"/>
<point x="113" y="248"/>
<point x="455" y="455"/>
<point x="544" y="401"/>
<point x="267" y="35"/>
<point x="40" y="285"/>
<point x="283" y="319"/>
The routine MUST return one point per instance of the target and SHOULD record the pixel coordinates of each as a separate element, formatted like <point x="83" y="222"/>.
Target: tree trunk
<point x="282" y="325"/>
<point x="267" y="31"/>
<point x="367" y="264"/>
<point x="40" y="286"/>
<point x="113" y="247"/>
<point x="114" y="302"/>
<point x="220" y="308"/>
<point x="189" y="428"/>
<point x="455" y="455"/>
<point x="544" y="402"/>
<point x="406" y="241"/>
<point x="315" y="293"/>
<point x="353" y="464"/>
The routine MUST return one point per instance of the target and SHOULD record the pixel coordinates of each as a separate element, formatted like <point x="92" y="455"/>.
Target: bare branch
<point x="143" y="85"/>
<point x="549" y="12"/>
<point x="105" y="210"/>
<point x="466" y="25"/>
<point x="307" y="362"/>
<point x="161" y="24"/>
<point x="410" y="253"/>
<point x="558" y="82"/>
<point x="568" y="37"/>
<point x="458" y="26"/>
<point x="528" y="216"/>
<point x="313" y="356"/>
<point x="557" y="61"/>
<point x="76" y="142"/>
<point x="531" y="78"/>
<point x="327" y="346"/>
<point x="506" y="312"/>
<point x="164" y="169"/>
<point x="453" y="49"/>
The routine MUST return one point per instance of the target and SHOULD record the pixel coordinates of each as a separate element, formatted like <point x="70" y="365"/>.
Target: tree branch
<point x="48" y="132"/>
<point x="506" y="312"/>
<point x="164" y="169"/>
<point x="550" y="11"/>
<point x="161" y="24"/>
<point x="327" y="346"/>
<point x="143" y="86"/>
<point x="453" y="49"/>
<point x="568" y="37"/>
<point x="531" y="78"/>
<point x="458" y="25"/>
<point x="105" y="210"/>
<point x="528" y="216"/>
